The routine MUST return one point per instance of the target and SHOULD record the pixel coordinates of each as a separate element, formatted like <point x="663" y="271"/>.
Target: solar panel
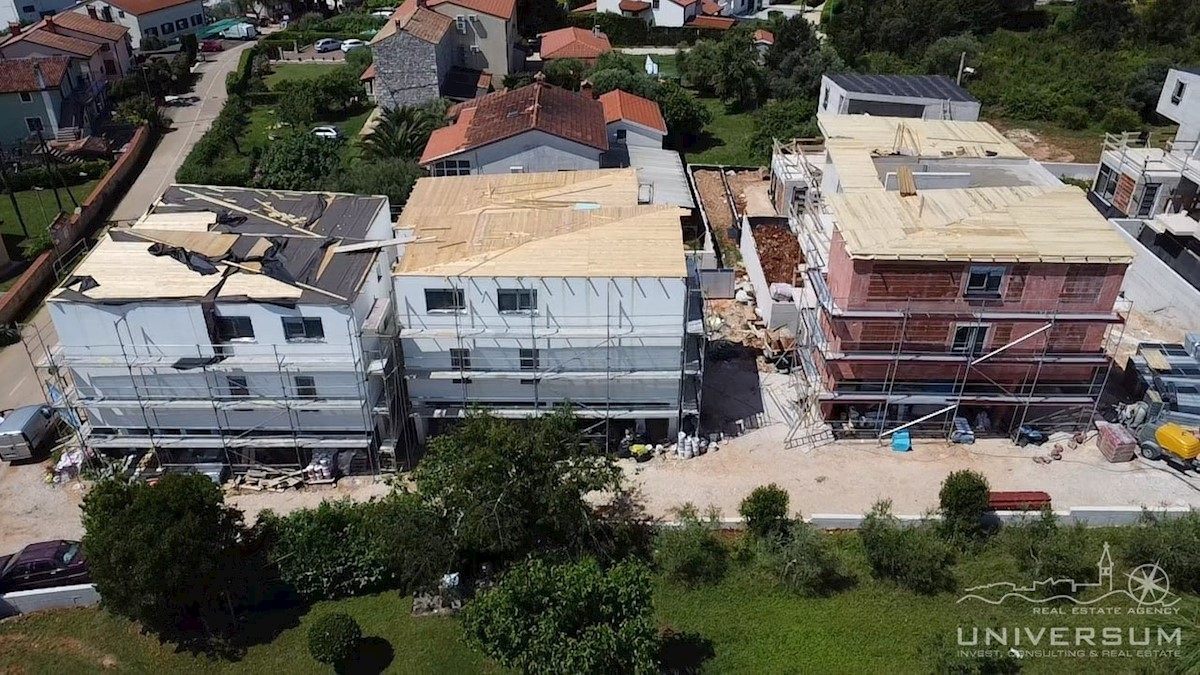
<point x="917" y="86"/>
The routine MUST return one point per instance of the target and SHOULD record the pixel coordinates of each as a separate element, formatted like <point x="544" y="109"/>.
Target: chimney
<point x="596" y="30"/>
<point x="37" y="75"/>
<point x="50" y="24"/>
<point x="585" y="89"/>
<point x="539" y="77"/>
<point x="14" y="28"/>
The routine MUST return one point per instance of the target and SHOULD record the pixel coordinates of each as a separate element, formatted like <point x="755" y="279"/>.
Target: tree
<point x="392" y="177"/>
<point x="333" y="638"/>
<point x="572" y="618"/>
<point x="300" y="161"/>
<point x="298" y="102"/>
<point x="166" y="555"/>
<point x="1144" y="87"/>
<point x="691" y="554"/>
<point x="914" y="557"/>
<point x="1103" y="23"/>
<point x="565" y="73"/>
<point x="684" y="114"/>
<point x="401" y="133"/>
<point x="783" y="120"/>
<point x="740" y="80"/>
<point x="619" y="61"/>
<point x="640" y="84"/>
<point x="945" y="54"/>
<point x="700" y="67"/>
<point x="799" y="76"/>
<point x="963" y="500"/>
<point x="337" y="90"/>
<point x="140" y="110"/>
<point x="765" y="510"/>
<point x="508" y="488"/>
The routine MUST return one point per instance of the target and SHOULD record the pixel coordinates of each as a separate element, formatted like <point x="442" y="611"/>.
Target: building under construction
<point x="233" y="326"/>
<point x="946" y="276"/>
<point x="520" y="292"/>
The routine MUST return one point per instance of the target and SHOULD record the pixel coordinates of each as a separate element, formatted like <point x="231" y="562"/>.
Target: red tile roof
<point x="634" y="6"/>
<point x="82" y="23"/>
<point x="50" y="40"/>
<point x="685" y="3"/>
<point x="417" y="21"/>
<point x="141" y="7"/>
<point x="504" y="9"/>
<point x="590" y="7"/>
<point x="710" y="7"/>
<point x="764" y="36"/>
<point x="621" y="105"/>
<point x="368" y="74"/>
<point x="485" y="80"/>
<point x="713" y="22"/>
<point x="501" y="115"/>
<point x="574" y="43"/>
<point x="17" y="75"/>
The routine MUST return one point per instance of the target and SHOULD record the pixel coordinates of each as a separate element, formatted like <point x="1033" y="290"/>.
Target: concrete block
<point x="24" y="602"/>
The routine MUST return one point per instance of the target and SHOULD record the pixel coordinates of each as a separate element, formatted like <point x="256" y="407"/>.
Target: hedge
<point x="67" y="174"/>
<point x="624" y="31"/>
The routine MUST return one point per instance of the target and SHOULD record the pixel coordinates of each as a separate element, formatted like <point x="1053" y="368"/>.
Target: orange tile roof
<point x="368" y="74"/>
<point x="634" y="6"/>
<point x="710" y="7"/>
<point x="574" y="43"/>
<point x="713" y="22"/>
<point x="17" y="75"/>
<point x="140" y="7"/>
<point x="417" y="21"/>
<point x="50" y="40"/>
<point x="685" y="3"/>
<point x="82" y="23"/>
<point x="504" y="9"/>
<point x="501" y="115"/>
<point x="766" y="36"/>
<point x="621" y="105"/>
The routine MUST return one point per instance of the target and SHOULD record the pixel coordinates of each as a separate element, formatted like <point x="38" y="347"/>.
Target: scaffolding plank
<point x="1156" y="359"/>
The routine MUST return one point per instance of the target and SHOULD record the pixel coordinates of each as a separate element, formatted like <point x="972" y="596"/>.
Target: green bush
<point x="1045" y="550"/>
<point x="765" y="510"/>
<point x="1171" y="543"/>
<point x="1073" y="117"/>
<point x="914" y="556"/>
<point x="38" y="176"/>
<point x="803" y="561"/>
<point x="691" y="554"/>
<point x="1118" y="120"/>
<point x="963" y="500"/>
<point x="333" y="638"/>
<point x="947" y="658"/>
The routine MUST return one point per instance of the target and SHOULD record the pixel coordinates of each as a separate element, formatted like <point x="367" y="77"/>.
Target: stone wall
<point x="406" y="71"/>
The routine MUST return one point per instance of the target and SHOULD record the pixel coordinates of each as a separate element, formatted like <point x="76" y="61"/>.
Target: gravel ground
<point x="849" y="476"/>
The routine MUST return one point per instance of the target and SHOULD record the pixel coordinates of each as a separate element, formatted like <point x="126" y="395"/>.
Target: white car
<point x="330" y="133"/>
<point x="347" y="45"/>
<point x="327" y="45"/>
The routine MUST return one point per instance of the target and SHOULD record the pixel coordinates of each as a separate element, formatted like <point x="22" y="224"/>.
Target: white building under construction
<point x="234" y="326"/>
<point x="520" y="292"/>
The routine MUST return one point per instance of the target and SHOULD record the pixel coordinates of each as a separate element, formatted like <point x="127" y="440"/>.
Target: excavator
<point x="1161" y="437"/>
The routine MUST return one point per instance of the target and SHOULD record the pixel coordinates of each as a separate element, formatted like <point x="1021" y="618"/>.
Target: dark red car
<point x="44" y="565"/>
<point x="212" y="46"/>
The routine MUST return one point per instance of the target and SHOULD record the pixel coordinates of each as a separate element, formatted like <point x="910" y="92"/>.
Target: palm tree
<point x="402" y="132"/>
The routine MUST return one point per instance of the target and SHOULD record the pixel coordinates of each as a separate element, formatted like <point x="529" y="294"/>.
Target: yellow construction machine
<point x="1171" y="442"/>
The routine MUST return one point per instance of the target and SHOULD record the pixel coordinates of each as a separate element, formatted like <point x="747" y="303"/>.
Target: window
<point x="197" y="19"/>
<point x="181" y="24"/>
<point x="236" y="386"/>
<point x="516" y="169"/>
<point x="460" y="23"/>
<point x="1149" y="196"/>
<point x="28" y="9"/>
<point x="26" y="97"/>
<point x="529" y="361"/>
<point x="121" y="13"/>
<point x="444" y="300"/>
<point x="460" y="359"/>
<point x="653" y="4"/>
<point x="969" y="339"/>
<point x="303" y="328"/>
<point x="621" y="134"/>
<point x="984" y="281"/>
<point x="234" y="328"/>
<point x="825" y="100"/>
<point x="34" y="124"/>
<point x="516" y="300"/>
<point x="167" y="28"/>
<point x="152" y="31"/>
<point x="1177" y="93"/>
<point x="1106" y="183"/>
<point x="306" y="386"/>
<point x="452" y="167"/>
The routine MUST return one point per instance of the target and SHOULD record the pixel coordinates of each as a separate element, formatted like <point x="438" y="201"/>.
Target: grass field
<point x="298" y="71"/>
<point x="747" y="626"/>
<point x="726" y="140"/>
<point x="39" y="209"/>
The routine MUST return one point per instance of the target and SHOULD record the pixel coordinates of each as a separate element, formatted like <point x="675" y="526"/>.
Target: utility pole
<point x="962" y="63"/>
<point x="11" y="196"/>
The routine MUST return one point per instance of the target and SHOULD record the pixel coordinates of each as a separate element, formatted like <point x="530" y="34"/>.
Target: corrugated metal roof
<point x="917" y="86"/>
<point x="662" y="169"/>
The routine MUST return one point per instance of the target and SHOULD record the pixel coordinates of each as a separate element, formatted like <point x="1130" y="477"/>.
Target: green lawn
<point x="726" y="139"/>
<point x="749" y="626"/>
<point x="298" y="71"/>
<point x="39" y="209"/>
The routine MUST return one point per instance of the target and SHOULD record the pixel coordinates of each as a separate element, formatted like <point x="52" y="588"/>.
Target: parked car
<point x="26" y="430"/>
<point x="328" y="45"/>
<point x="212" y="46"/>
<point x="331" y="133"/>
<point x="347" y="45"/>
<point x="240" y="31"/>
<point x="44" y="565"/>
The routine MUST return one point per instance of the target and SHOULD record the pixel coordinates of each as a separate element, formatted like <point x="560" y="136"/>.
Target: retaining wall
<point x="23" y="602"/>
<point x="66" y="230"/>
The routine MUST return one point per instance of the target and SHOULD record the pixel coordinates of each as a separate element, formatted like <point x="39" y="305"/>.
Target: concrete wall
<point x="635" y="134"/>
<point x="775" y="314"/>
<point x="63" y="597"/>
<point x="493" y="35"/>
<point x="151" y="23"/>
<point x="32" y="285"/>
<point x="835" y="99"/>
<point x="532" y="151"/>
<point x="1186" y="113"/>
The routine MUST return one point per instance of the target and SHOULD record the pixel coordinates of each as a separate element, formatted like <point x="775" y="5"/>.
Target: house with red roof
<point x="632" y="120"/>
<point x="166" y="20"/>
<point x="669" y="13"/>
<point x="574" y="43"/>
<point x="103" y="49"/>
<point x="39" y="95"/>
<point x="484" y="33"/>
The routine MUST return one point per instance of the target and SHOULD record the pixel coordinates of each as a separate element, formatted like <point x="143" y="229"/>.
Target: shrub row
<point x="64" y="174"/>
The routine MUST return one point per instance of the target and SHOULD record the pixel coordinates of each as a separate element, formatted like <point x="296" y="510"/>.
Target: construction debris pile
<point x="779" y="252"/>
<point x="267" y="478"/>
